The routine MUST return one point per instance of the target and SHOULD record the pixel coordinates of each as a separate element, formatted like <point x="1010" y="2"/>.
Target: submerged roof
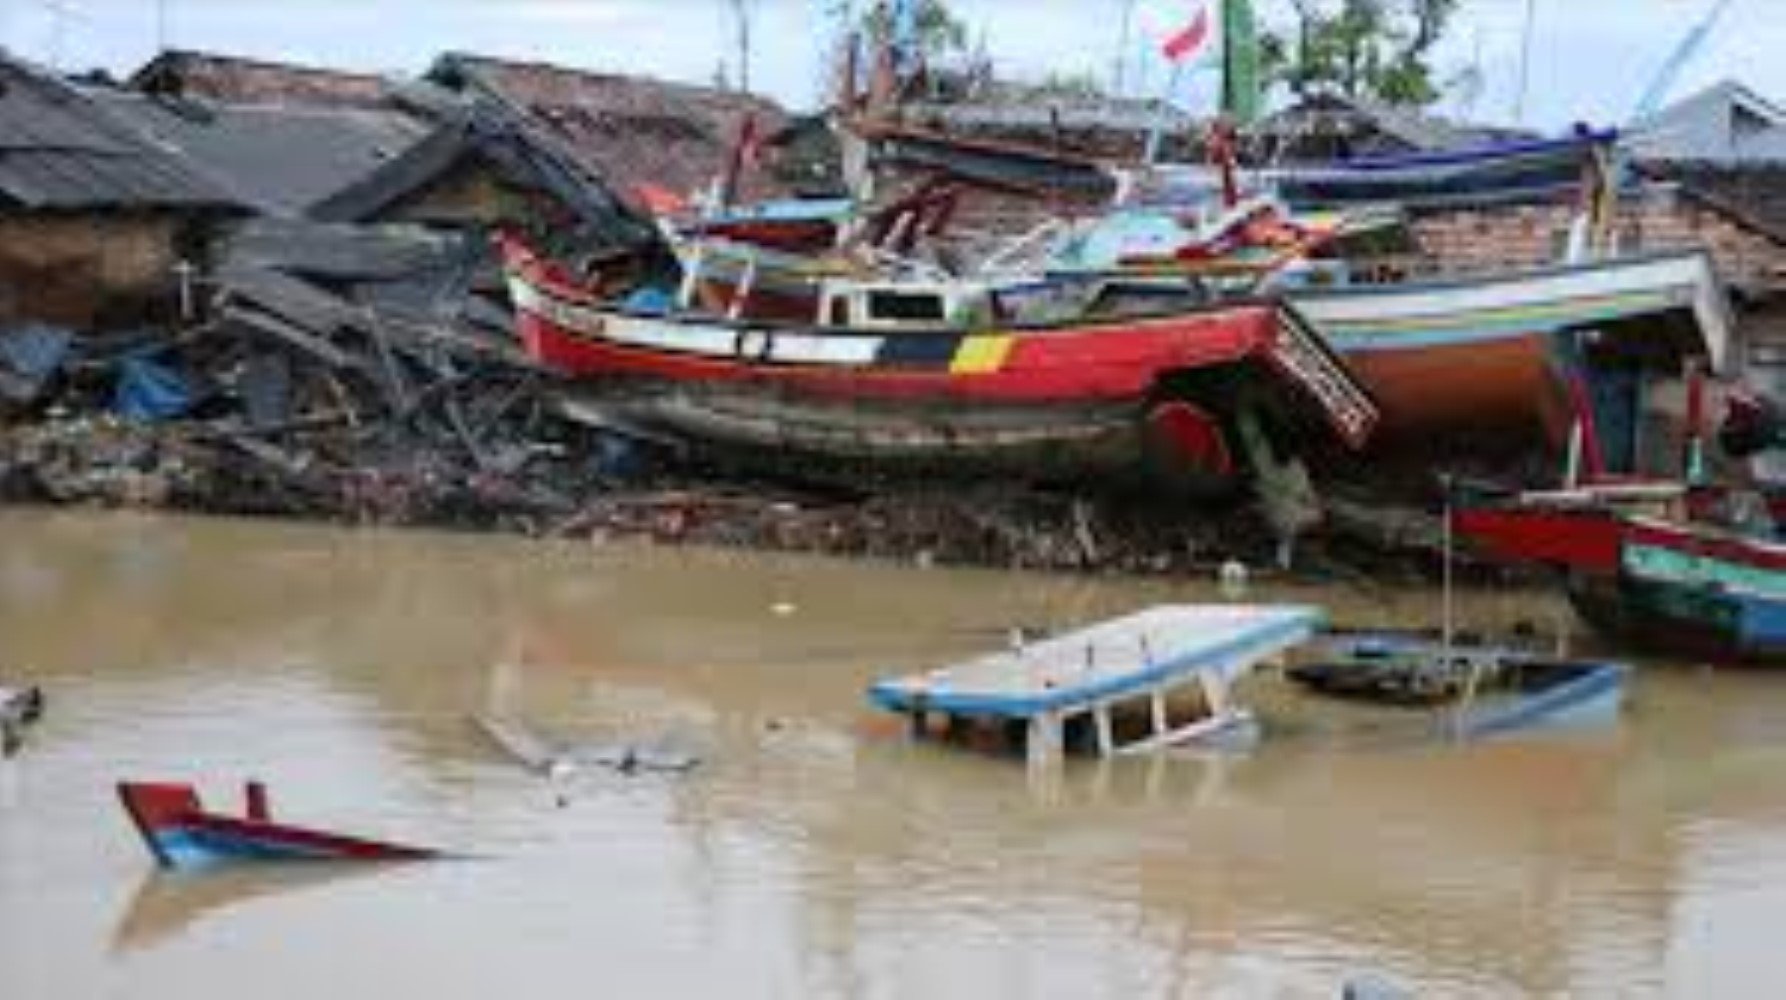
<point x="59" y="150"/>
<point x="281" y="159"/>
<point x="1108" y="660"/>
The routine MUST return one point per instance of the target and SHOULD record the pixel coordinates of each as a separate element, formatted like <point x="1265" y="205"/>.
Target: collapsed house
<point x="98" y="227"/>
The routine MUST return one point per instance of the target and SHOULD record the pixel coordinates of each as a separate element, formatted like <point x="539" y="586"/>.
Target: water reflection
<point x="817" y="851"/>
<point x="166" y="905"/>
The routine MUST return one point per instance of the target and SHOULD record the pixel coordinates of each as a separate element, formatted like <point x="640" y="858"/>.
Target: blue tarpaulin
<point x="149" y="390"/>
<point x="30" y="355"/>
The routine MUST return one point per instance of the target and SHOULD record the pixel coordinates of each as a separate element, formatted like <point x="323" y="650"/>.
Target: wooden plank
<point x="305" y="341"/>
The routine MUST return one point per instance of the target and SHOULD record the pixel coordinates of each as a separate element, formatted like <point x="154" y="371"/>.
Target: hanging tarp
<point x="149" y="390"/>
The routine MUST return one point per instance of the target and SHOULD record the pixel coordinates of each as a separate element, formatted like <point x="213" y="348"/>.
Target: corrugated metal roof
<point x="281" y="160"/>
<point x="60" y="151"/>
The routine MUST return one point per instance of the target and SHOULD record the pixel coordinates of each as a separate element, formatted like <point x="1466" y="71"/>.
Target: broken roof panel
<point x="60" y="150"/>
<point x="279" y="159"/>
<point x="629" y="130"/>
<point x="517" y="151"/>
<point x="236" y="79"/>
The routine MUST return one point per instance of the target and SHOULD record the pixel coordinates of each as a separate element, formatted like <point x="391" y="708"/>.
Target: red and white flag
<point x="1184" y="28"/>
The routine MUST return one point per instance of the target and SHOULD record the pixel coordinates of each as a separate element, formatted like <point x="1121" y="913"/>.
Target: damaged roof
<point x="59" y="150"/>
<point x="185" y="73"/>
<point x="517" y="151"/>
<point x="630" y="130"/>
<point x="280" y="159"/>
<point x="1326" y="127"/>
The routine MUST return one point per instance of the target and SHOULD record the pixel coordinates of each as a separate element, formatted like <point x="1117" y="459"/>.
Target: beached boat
<point x="180" y="833"/>
<point x="1491" y="352"/>
<point x="1515" y="171"/>
<point x="1666" y="583"/>
<point x="1478" y="691"/>
<point x="1160" y="678"/>
<point x="933" y="378"/>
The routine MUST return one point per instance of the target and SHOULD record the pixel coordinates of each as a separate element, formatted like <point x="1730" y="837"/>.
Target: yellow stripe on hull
<point x="981" y="354"/>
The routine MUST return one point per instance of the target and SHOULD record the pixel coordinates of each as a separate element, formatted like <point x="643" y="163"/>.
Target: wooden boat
<point x="180" y="833"/>
<point x="1667" y="583"/>
<point x="1160" y="678"/>
<point x="1495" y="350"/>
<point x="913" y="377"/>
<point x="1482" y="690"/>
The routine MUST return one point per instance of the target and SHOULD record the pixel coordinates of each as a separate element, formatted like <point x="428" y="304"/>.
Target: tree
<point x="937" y="29"/>
<point x="1361" y="48"/>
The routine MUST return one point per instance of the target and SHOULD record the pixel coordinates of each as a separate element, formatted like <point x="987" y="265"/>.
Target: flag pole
<point x="1156" y="133"/>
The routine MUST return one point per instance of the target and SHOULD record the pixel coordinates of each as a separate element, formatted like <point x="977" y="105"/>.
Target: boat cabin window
<point x="840" y="312"/>
<point x="906" y="306"/>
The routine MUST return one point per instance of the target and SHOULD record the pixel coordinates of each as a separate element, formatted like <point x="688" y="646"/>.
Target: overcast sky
<point x="1590" y="59"/>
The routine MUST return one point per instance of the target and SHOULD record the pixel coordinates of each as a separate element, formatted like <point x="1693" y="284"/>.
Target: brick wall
<point x="1466" y="241"/>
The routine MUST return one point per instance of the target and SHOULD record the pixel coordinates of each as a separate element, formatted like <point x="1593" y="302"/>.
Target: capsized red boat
<point x="944" y="379"/>
<point x="182" y="834"/>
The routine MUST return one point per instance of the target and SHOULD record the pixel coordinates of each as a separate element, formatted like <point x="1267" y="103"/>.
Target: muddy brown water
<point x="816" y="853"/>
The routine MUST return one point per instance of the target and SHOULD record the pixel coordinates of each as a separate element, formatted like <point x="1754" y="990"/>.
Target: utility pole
<point x="1124" y="39"/>
<point x="742" y="11"/>
<point x="1525" y="63"/>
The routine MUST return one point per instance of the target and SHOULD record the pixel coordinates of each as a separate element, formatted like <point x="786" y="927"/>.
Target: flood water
<point x="815" y="853"/>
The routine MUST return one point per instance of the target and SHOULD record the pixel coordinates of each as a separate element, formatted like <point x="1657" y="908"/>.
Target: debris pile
<point x="357" y="373"/>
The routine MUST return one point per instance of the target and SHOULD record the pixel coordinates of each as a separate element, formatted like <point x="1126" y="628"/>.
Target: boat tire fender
<point x="752" y="345"/>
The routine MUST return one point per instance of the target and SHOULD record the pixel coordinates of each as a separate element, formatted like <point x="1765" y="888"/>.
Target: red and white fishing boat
<point x="937" y="377"/>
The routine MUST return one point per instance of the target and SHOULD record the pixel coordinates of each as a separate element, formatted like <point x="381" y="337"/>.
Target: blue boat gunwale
<point x="1585" y="138"/>
<point x="1300" y="622"/>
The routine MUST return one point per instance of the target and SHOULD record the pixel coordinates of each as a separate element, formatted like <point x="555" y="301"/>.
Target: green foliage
<point x="940" y="31"/>
<point x="1360" y="48"/>
<point x="1058" y="84"/>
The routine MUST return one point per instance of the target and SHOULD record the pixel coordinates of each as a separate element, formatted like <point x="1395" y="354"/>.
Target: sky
<point x="1590" y="60"/>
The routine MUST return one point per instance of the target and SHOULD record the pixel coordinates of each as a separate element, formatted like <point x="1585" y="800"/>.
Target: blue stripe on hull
<point x="184" y="847"/>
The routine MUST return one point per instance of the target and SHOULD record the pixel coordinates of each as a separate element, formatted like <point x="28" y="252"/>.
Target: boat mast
<point x="1525" y="63"/>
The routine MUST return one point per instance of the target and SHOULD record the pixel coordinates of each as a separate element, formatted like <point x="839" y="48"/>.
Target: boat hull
<point x="1592" y="697"/>
<point x="1490" y="353"/>
<point x="181" y="834"/>
<point x="1685" y="620"/>
<point x="1668" y="586"/>
<point x="1156" y="392"/>
<point x="1512" y="382"/>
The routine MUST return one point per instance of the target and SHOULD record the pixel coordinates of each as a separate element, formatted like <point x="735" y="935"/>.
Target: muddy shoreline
<point x="562" y="487"/>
